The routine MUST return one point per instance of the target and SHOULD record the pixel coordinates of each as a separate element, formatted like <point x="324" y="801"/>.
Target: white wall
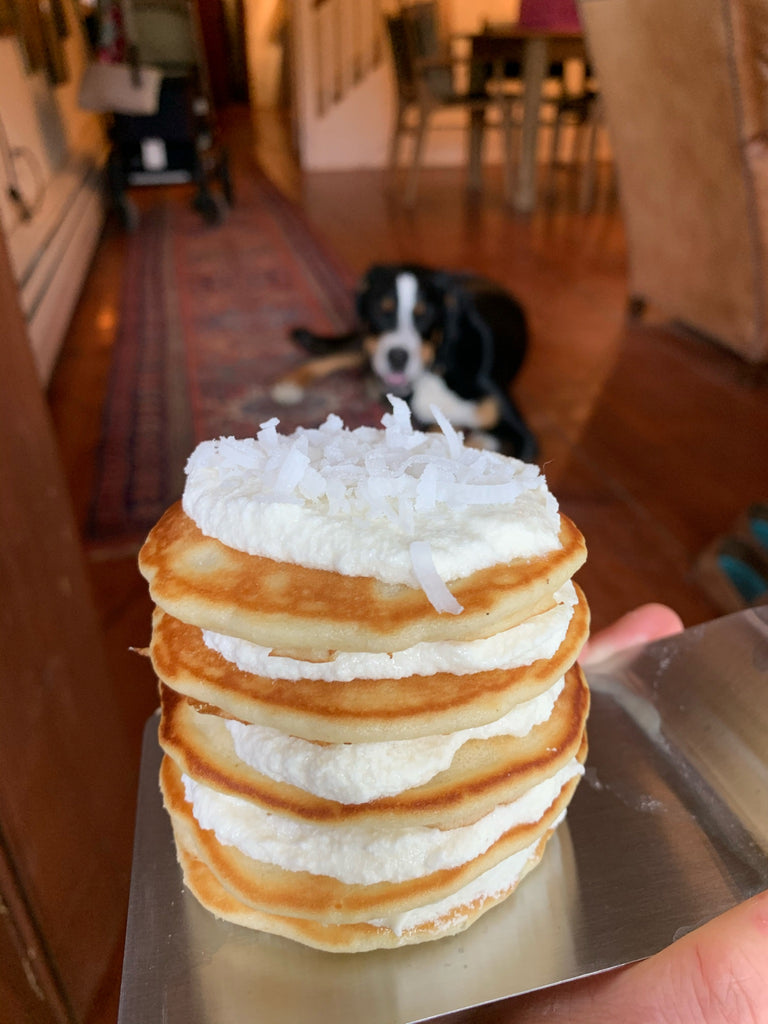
<point x="467" y="16"/>
<point x="56" y="151"/>
<point x="263" y="21"/>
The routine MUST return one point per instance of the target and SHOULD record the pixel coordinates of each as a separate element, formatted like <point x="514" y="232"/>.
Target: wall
<point x="53" y="153"/>
<point x="265" y="21"/>
<point x="468" y="16"/>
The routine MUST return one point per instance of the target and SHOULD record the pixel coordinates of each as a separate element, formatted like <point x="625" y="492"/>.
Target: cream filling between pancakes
<point x="356" y="773"/>
<point x="537" y="637"/>
<point x="359" y="854"/>
<point x="493" y="883"/>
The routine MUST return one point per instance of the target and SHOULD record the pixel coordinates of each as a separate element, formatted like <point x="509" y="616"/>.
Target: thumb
<point x="717" y="974"/>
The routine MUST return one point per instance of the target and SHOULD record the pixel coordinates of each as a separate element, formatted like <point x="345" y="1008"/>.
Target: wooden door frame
<point x="61" y="883"/>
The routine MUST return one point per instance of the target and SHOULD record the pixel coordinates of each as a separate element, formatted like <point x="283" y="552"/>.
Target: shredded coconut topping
<point x="397" y="504"/>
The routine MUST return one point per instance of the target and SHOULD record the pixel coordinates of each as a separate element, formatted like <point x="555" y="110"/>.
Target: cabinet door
<point x="67" y="782"/>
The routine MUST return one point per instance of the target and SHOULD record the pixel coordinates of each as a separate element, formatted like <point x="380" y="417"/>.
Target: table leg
<point x="476" y="136"/>
<point x="535" y="61"/>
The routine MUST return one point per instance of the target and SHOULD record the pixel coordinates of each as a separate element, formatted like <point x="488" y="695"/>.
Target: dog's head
<point x="401" y="311"/>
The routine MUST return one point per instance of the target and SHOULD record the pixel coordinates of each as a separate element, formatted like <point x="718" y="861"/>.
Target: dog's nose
<point x="398" y="357"/>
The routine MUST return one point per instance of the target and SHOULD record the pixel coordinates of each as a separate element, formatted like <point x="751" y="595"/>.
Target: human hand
<point x="717" y="974"/>
<point x="644" y="624"/>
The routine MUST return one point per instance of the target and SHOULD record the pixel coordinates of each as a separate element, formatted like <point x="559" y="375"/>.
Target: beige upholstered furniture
<point x="685" y="94"/>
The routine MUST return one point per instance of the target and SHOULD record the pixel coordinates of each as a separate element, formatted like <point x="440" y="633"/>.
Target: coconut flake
<point x="426" y="490"/>
<point x="291" y="471"/>
<point x="398" y="429"/>
<point x="454" y="439"/>
<point x="438" y="594"/>
<point x="267" y="435"/>
<point x="312" y="485"/>
<point x="333" y="424"/>
<point x="337" y="497"/>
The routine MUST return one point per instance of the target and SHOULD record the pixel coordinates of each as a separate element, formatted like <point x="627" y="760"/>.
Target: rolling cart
<point x="178" y="142"/>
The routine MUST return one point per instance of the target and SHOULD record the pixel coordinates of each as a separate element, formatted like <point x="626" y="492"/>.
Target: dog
<point x="439" y="339"/>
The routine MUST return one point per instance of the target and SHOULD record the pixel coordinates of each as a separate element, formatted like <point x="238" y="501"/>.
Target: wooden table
<point x="535" y="49"/>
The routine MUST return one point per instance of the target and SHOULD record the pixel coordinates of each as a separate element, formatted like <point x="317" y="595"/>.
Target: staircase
<point x="344" y="95"/>
<point x="347" y="38"/>
<point x="342" y="84"/>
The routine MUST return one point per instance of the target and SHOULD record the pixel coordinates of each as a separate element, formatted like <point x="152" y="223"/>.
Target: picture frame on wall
<point x="40" y="29"/>
<point x="53" y="25"/>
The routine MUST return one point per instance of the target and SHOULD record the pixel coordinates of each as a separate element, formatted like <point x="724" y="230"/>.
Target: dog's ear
<point x="451" y="307"/>
<point x="441" y="281"/>
<point x="445" y="291"/>
<point x="361" y="295"/>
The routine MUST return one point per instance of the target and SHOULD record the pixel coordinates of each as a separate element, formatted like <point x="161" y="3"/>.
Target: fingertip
<point x="652" y="621"/>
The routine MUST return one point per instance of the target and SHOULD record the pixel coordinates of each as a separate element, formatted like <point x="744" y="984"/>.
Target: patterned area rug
<point x="206" y="313"/>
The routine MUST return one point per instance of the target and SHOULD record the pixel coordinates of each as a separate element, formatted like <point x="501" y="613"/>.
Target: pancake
<point x="356" y="712"/>
<point x="372" y="716"/>
<point x="358" y="937"/>
<point x="199" y="580"/>
<point x="483" y="773"/>
<point x="275" y="890"/>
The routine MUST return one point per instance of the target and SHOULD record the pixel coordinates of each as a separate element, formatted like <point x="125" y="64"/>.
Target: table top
<point x="528" y="32"/>
<point x="561" y="43"/>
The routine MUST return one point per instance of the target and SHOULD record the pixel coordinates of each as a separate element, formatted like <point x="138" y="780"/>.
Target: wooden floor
<point x="652" y="439"/>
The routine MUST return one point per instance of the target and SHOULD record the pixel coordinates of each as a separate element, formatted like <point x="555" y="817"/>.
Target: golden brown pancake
<point x="274" y="890"/>
<point x="199" y="580"/>
<point x="333" y="938"/>
<point x="310" y="615"/>
<point x="358" y="711"/>
<point x="484" y="772"/>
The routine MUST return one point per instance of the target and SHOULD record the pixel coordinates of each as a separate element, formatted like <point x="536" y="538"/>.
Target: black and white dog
<point x="434" y="338"/>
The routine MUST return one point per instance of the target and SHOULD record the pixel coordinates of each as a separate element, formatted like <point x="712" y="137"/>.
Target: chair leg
<point x="476" y="136"/>
<point x="418" y="152"/>
<point x="587" y="195"/>
<point x="394" y="142"/>
<point x="507" y="121"/>
<point x="554" y="153"/>
<point x="399" y="131"/>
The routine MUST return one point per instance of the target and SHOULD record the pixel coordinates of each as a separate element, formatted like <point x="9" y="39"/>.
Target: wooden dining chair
<point x="431" y="77"/>
<point x="577" y="106"/>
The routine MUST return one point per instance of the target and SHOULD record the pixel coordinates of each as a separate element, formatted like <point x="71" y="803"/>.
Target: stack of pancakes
<point x="356" y="811"/>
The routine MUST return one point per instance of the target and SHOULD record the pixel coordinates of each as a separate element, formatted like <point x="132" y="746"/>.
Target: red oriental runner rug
<point x="204" y="331"/>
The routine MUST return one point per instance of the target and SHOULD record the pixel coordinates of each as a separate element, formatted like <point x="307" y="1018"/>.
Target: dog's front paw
<point x="487" y="413"/>
<point x="286" y="392"/>
<point x="303" y="337"/>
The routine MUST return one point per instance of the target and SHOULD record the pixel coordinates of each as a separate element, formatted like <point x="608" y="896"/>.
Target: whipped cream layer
<point x="493" y="883"/>
<point x="359" y="854"/>
<point x="396" y="504"/>
<point x="535" y="638"/>
<point x="356" y="773"/>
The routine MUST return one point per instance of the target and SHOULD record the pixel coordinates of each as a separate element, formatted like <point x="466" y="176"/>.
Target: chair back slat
<point x="402" y="62"/>
<point x="424" y="41"/>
